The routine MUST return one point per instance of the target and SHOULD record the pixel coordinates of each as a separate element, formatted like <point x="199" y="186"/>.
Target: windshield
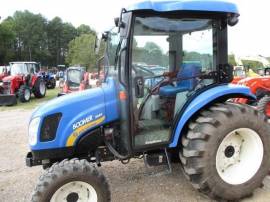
<point x="18" y="68"/>
<point x="164" y="44"/>
<point x="74" y="77"/>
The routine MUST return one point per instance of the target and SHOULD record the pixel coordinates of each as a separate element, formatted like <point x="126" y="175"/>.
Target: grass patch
<point x="34" y="102"/>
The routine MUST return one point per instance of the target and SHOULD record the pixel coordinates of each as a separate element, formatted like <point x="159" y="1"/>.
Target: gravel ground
<point x="132" y="182"/>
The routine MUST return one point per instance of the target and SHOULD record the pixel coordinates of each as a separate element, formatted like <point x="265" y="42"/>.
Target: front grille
<point x="49" y="127"/>
<point x="6" y="87"/>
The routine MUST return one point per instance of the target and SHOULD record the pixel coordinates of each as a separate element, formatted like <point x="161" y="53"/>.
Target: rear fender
<point x="214" y="94"/>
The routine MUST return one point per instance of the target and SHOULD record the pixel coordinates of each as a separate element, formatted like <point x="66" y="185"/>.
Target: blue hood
<point x="81" y="112"/>
<point x="73" y="102"/>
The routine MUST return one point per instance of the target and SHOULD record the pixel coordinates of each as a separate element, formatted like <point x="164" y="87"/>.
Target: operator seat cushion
<point x="187" y="70"/>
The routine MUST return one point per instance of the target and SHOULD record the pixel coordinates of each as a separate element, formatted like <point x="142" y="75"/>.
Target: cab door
<point x="151" y="118"/>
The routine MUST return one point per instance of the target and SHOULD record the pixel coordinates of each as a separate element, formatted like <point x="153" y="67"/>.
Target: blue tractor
<point x="49" y="79"/>
<point x="186" y="117"/>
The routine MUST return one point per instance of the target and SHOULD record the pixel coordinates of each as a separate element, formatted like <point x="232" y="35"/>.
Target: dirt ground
<point x="132" y="182"/>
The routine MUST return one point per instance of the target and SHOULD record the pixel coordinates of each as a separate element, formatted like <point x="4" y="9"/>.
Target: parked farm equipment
<point x="48" y="79"/>
<point x="260" y="86"/>
<point x="76" y="79"/>
<point x="222" y="145"/>
<point x="22" y="82"/>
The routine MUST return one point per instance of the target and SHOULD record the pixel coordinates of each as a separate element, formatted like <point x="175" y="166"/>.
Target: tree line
<point x="26" y="36"/>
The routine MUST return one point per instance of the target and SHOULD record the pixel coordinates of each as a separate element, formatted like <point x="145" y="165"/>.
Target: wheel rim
<point x="76" y="191"/>
<point x="239" y="156"/>
<point x="42" y="88"/>
<point x="27" y="94"/>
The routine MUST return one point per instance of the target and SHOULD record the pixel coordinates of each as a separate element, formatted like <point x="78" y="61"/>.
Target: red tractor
<point x="76" y="79"/>
<point x="260" y="86"/>
<point x="22" y="81"/>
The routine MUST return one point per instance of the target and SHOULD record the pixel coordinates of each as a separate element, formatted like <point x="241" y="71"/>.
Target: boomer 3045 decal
<point x="83" y="125"/>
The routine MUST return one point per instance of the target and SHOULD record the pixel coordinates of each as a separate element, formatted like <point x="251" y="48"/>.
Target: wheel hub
<point x="229" y="151"/>
<point x="72" y="197"/>
<point x="27" y="94"/>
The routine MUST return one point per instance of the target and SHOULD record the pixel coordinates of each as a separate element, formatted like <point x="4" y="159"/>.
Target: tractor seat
<point x="188" y="70"/>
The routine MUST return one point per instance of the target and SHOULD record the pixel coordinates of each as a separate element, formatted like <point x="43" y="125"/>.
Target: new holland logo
<point x="83" y="125"/>
<point x="85" y="121"/>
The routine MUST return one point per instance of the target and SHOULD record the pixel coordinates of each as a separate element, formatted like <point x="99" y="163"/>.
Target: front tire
<point x="24" y="93"/>
<point x="226" y="152"/>
<point x="71" y="180"/>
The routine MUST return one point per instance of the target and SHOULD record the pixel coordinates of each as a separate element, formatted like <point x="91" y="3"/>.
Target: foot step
<point x="153" y="159"/>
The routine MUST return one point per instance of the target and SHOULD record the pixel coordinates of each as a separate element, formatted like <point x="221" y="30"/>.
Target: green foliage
<point x="27" y="36"/>
<point x="30" y="32"/>
<point x="81" y="51"/>
<point x="231" y="60"/>
<point x="254" y="65"/>
<point x="7" y="38"/>
<point x="85" y="29"/>
<point x="150" y="54"/>
<point x="59" y="35"/>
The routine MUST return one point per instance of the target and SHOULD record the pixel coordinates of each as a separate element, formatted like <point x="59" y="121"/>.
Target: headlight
<point x="33" y="130"/>
<point x="49" y="127"/>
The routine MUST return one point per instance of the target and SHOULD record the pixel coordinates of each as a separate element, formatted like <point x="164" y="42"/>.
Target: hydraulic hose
<point x="114" y="152"/>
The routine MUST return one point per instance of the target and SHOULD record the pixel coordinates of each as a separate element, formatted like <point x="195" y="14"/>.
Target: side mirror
<point x="233" y="20"/>
<point x="139" y="86"/>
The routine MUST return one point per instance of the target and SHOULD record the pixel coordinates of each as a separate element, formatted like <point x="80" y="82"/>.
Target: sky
<point x="251" y="36"/>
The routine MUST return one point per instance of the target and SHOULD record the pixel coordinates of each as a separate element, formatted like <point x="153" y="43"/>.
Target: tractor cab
<point x="164" y="60"/>
<point x="23" y="68"/>
<point x="75" y="79"/>
<point x="23" y="71"/>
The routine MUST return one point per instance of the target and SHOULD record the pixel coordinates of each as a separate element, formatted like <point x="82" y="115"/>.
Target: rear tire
<point x="264" y="106"/>
<point x="39" y="88"/>
<point x="222" y="139"/>
<point x="24" y="93"/>
<point x="72" y="179"/>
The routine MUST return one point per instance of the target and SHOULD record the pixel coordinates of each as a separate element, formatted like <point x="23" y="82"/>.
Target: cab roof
<point x="186" y="5"/>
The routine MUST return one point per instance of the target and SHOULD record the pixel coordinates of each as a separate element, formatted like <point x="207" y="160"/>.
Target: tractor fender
<point x="221" y="92"/>
<point x="34" y="79"/>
